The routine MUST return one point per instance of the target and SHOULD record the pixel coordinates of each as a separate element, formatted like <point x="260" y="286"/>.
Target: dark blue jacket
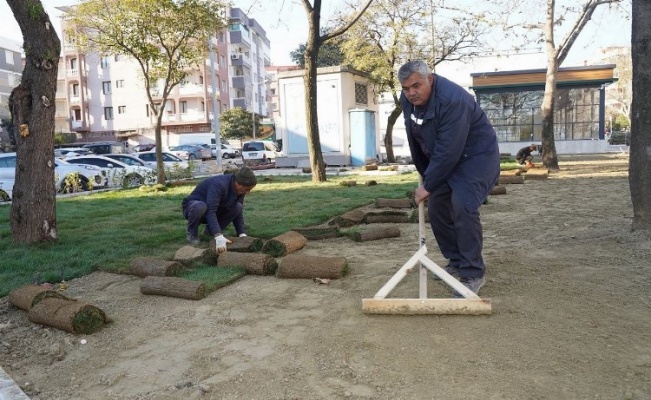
<point x="460" y="139"/>
<point x="218" y="192"/>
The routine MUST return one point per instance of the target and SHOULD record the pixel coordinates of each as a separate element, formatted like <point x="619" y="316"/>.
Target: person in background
<point x="216" y="202"/>
<point x="524" y="155"/>
<point x="454" y="148"/>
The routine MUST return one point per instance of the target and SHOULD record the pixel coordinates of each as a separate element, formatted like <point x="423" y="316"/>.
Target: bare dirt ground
<point x="569" y="283"/>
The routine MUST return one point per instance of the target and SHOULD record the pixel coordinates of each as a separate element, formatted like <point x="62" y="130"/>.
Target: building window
<point x="221" y="37"/>
<point x="76" y="116"/>
<point x="9" y="57"/>
<point x="119" y="83"/>
<point x="147" y="108"/>
<point x="361" y="93"/>
<point x="516" y="116"/>
<point x="106" y="87"/>
<point x="122" y="109"/>
<point x="201" y="79"/>
<point x="117" y="57"/>
<point x="104" y="62"/>
<point x="203" y="106"/>
<point x="75" y="89"/>
<point x="224" y="87"/>
<point x="108" y="113"/>
<point x="73" y="63"/>
<point x="183" y="105"/>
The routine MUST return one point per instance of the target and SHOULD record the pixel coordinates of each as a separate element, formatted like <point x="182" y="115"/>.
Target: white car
<point x="121" y="174"/>
<point x="69" y="178"/>
<point x="70" y="152"/>
<point x="227" y="151"/>
<point x="259" y="152"/>
<point x="169" y="159"/>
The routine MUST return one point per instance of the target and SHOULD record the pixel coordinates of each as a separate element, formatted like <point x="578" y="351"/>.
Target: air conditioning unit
<point x="235" y="56"/>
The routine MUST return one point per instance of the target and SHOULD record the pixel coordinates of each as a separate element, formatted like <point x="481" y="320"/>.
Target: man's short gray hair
<point x="419" y="67"/>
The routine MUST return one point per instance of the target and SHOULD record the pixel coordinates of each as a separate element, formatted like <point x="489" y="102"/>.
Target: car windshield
<point x="253" y="146"/>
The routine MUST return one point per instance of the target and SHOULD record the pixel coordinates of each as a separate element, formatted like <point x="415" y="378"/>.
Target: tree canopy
<point x="167" y="38"/>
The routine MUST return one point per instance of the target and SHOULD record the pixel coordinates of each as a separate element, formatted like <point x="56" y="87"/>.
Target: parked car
<point x="259" y="152"/>
<point x="68" y="178"/>
<point x="169" y="159"/>
<point x="144" y="147"/>
<point x="107" y="147"/>
<point x="192" y="152"/>
<point x="227" y="151"/>
<point x="129" y="159"/>
<point x="71" y="152"/>
<point x="120" y="174"/>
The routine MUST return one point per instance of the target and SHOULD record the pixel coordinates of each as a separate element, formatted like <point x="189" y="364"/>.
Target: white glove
<point x="242" y="234"/>
<point x="220" y="243"/>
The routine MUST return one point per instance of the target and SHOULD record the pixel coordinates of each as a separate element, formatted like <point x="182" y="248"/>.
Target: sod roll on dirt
<point x="26" y="297"/>
<point x="375" y="234"/>
<point x="245" y="244"/>
<point x="498" y="189"/>
<point x="379" y="217"/>
<point x="393" y="203"/>
<point x="512" y="179"/>
<point x="173" y="287"/>
<point x="300" y="266"/>
<point x="68" y="315"/>
<point x="253" y="263"/>
<point x="152" y="266"/>
<point x="284" y="244"/>
<point x="346" y="220"/>
<point x="536" y="174"/>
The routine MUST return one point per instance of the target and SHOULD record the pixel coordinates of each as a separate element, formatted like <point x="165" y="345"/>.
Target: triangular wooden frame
<point x="470" y="304"/>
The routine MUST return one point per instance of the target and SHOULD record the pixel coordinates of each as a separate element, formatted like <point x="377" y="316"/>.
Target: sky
<point x="285" y="23"/>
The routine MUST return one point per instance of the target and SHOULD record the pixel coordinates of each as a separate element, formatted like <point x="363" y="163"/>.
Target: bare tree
<point x="314" y="42"/>
<point x="33" y="212"/>
<point x="393" y="31"/>
<point x="555" y="57"/>
<point x="640" y="159"/>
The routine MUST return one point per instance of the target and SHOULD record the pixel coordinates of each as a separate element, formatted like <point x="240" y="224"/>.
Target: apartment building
<point x="11" y="68"/>
<point x="249" y="56"/>
<point x="103" y="97"/>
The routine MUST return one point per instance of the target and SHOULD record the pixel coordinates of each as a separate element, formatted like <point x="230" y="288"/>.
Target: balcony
<point x="78" y="125"/>
<point x="187" y="90"/>
<point x="167" y="117"/>
<point x="75" y="100"/>
<point x="240" y="102"/>
<point x="196" y="116"/>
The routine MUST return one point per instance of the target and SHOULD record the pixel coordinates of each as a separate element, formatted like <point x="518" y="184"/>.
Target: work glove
<point x="220" y="244"/>
<point x="242" y="235"/>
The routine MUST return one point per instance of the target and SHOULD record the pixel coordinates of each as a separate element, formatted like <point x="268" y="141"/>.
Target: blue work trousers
<point x="195" y="213"/>
<point x="457" y="229"/>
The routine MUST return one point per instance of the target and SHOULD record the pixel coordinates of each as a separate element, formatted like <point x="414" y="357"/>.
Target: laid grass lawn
<point x="104" y="231"/>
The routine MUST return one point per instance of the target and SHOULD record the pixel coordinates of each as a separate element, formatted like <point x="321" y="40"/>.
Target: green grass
<point x="104" y="231"/>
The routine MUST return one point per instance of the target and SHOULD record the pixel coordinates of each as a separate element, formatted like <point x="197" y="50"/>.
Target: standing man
<point x="454" y="148"/>
<point x="216" y="202"/>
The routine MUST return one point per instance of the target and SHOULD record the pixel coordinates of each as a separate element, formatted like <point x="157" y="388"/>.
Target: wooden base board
<point x="427" y="306"/>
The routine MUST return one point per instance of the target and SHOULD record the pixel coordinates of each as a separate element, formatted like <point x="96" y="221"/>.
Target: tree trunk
<point x="314" y="42"/>
<point x="160" y="167"/>
<point x="388" y="136"/>
<point x="549" y="156"/>
<point x="32" y="107"/>
<point x="640" y="160"/>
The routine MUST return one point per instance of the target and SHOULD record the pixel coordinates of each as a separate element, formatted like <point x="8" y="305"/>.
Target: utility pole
<point x="215" y="111"/>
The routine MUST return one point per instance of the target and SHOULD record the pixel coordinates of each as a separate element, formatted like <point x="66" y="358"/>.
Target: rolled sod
<point x="513" y="179"/>
<point x="68" y="315"/>
<point x="253" y="263"/>
<point x="284" y="244"/>
<point x="388" y="217"/>
<point x="173" y="287"/>
<point x="346" y="220"/>
<point x="498" y="189"/>
<point x="245" y="244"/>
<point x="394" y="203"/>
<point x="26" y="297"/>
<point x="300" y="266"/>
<point x="152" y="266"/>
<point x="375" y="234"/>
<point x="318" y="232"/>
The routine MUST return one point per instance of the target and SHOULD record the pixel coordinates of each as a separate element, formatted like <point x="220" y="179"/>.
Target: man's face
<point x="417" y="89"/>
<point x="242" y="190"/>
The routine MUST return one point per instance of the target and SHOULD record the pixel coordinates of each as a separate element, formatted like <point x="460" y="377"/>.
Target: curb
<point x="9" y="389"/>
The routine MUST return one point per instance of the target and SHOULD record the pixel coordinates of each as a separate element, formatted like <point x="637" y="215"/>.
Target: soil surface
<point x="569" y="283"/>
